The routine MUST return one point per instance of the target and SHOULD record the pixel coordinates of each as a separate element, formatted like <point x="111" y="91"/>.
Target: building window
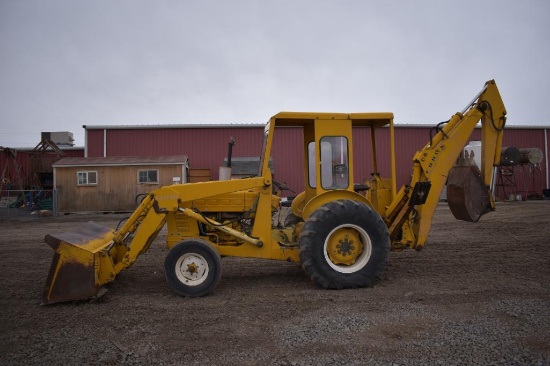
<point x="86" y="178"/>
<point x="148" y="176"/>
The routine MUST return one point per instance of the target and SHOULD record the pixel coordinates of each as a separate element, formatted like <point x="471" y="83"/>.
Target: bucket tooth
<point x="78" y="264"/>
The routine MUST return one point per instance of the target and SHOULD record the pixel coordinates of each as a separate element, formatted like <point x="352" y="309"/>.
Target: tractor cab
<point x="329" y="161"/>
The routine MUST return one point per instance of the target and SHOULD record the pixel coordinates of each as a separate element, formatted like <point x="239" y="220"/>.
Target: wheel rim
<point x="347" y="248"/>
<point x="191" y="269"/>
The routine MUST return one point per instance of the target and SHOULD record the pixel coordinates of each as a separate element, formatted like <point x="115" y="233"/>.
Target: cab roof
<point x="366" y="119"/>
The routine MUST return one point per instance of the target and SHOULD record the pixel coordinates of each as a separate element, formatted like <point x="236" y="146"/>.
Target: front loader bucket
<point x="467" y="194"/>
<point x="80" y="265"/>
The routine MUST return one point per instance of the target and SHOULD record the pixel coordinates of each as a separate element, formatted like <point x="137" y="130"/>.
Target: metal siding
<point x="16" y="171"/>
<point x="94" y="143"/>
<point x="362" y="152"/>
<point x="29" y="162"/>
<point x="523" y="138"/>
<point x="408" y="140"/>
<point x="77" y="153"/>
<point x="528" y="179"/>
<point x="362" y="162"/>
<point x="288" y="158"/>
<point x="207" y="147"/>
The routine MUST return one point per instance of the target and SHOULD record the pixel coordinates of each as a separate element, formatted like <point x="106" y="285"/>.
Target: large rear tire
<point x="193" y="268"/>
<point x="344" y="244"/>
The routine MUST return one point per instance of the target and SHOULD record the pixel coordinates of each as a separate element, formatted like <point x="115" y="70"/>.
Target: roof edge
<point x="262" y="125"/>
<point x="147" y="127"/>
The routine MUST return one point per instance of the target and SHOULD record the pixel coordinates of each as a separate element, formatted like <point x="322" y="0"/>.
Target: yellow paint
<point x="235" y="216"/>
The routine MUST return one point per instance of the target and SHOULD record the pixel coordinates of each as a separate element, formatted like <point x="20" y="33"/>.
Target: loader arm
<point x="92" y="255"/>
<point x="150" y="216"/>
<point x="409" y="216"/>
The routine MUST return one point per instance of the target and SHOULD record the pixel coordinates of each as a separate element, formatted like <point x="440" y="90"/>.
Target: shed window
<point x="86" y="178"/>
<point x="148" y="176"/>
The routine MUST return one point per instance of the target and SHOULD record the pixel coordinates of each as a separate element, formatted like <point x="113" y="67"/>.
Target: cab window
<point x="334" y="163"/>
<point x="311" y="165"/>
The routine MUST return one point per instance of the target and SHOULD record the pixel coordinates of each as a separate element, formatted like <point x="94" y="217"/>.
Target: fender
<point x="326" y="197"/>
<point x="298" y="204"/>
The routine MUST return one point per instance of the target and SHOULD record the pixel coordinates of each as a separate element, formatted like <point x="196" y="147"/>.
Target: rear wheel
<point x="344" y="244"/>
<point x="193" y="268"/>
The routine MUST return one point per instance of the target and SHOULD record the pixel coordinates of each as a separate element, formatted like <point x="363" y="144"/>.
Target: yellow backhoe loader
<point x="340" y="232"/>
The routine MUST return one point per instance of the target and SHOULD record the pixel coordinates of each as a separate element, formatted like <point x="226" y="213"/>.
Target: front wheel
<point x="344" y="244"/>
<point x="193" y="268"/>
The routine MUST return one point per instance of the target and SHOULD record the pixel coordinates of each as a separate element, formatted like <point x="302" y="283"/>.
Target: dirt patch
<point x="478" y="293"/>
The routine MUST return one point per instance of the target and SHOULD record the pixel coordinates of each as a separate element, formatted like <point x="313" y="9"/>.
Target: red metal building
<point x="23" y="168"/>
<point x="207" y="146"/>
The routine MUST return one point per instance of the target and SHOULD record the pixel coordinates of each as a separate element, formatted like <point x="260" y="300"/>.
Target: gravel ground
<point x="477" y="294"/>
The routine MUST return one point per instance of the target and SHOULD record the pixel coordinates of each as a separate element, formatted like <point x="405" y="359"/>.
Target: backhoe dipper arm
<point x="408" y="219"/>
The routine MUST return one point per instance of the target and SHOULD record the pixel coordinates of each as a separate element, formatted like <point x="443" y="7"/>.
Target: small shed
<point x="113" y="184"/>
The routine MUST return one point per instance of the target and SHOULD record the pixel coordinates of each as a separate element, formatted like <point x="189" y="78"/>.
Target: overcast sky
<point x="64" y="64"/>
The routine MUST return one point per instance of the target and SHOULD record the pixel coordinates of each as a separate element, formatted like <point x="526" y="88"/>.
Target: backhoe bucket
<point x="467" y="195"/>
<point x="80" y="265"/>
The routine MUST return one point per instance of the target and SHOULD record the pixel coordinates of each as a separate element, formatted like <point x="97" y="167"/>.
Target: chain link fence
<point x="29" y="202"/>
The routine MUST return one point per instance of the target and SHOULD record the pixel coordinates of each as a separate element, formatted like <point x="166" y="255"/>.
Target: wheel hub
<point x="191" y="269"/>
<point x="344" y="246"/>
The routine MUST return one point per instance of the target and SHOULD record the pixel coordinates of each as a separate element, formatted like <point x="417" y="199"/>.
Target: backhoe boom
<point x="435" y="164"/>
